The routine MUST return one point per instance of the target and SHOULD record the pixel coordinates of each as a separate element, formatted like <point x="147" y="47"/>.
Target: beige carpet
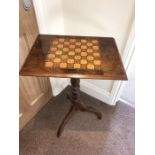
<point x="84" y="134"/>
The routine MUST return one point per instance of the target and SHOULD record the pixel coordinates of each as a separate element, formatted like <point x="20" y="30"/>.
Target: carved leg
<point x="94" y="111"/>
<point x="74" y="97"/>
<point x="65" y="120"/>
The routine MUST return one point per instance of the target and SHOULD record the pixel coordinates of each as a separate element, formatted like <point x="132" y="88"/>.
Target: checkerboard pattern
<point x="73" y="53"/>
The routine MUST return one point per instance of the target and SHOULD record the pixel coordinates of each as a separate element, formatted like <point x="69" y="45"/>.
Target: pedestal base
<point x="74" y="97"/>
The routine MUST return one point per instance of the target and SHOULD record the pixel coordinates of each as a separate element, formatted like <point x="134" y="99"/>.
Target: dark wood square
<point x="74" y="57"/>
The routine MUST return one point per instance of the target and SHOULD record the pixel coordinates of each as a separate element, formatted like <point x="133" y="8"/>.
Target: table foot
<point x="93" y="110"/>
<point x="65" y="120"/>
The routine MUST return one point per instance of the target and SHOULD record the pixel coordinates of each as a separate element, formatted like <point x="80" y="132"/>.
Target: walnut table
<point x="75" y="57"/>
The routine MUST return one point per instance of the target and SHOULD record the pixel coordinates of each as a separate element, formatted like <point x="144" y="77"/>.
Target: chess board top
<point x="74" y="57"/>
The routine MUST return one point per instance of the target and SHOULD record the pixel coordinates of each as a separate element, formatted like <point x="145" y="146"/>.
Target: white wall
<point x="87" y="17"/>
<point x="49" y="16"/>
<point x="99" y="18"/>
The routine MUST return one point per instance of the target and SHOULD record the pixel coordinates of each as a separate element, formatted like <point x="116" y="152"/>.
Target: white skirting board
<point x="95" y="91"/>
<point x="58" y="84"/>
<point x="126" y="102"/>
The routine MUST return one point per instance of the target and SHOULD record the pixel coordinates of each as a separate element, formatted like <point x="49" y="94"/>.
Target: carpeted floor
<point x="84" y="134"/>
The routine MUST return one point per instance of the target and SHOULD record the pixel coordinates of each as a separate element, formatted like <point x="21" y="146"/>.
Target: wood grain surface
<point x="74" y="57"/>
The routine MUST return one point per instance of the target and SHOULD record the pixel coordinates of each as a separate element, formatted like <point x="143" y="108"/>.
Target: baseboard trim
<point x="87" y="87"/>
<point x="126" y="102"/>
<point x="95" y="91"/>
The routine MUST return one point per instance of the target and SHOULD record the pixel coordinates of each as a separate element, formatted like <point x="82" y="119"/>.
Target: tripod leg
<point x="93" y="110"/>
<point x="65" y="120"/>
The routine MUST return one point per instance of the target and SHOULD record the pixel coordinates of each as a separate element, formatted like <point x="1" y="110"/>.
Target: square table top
<point x="74" y="57"/>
